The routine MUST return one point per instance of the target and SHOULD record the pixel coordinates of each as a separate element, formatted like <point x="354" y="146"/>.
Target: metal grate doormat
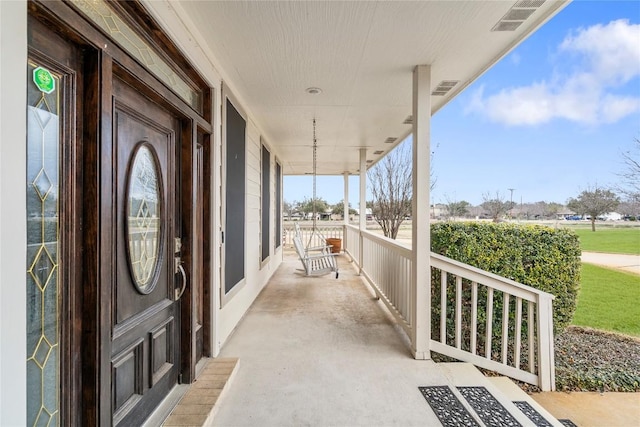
<point x="447" y="407"/>
<point x="532" y="414"/>
<point x="490" y="411"/>
<point x="567" y="423"/>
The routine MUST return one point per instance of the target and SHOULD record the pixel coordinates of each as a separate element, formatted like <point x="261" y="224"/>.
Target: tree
<point x="541" y="210"/>
<point x="307" y="205"/>
<point x="495" y="207"/>
<point x="289" y="208"/>
<point x="594" y="202"/>
<point x="630" y="176"/>
<point x="629" y="208"/>
<point x="456" y="209"/>
<point x="338" y="209"/>
<point x="552" y="209"/>
<point x="532" y="210"/>
<point x="391" y="188"/>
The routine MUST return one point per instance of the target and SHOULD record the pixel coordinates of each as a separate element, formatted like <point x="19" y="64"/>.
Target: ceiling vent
<point x="530" y="3"/>
<point x="444" y="87"/>
<point x="516" y="16"/>
<point x="378" y="152"/>
<point x="408" y="120"/>
<point x="507" y="26"/>
<point x="390" y="140"/>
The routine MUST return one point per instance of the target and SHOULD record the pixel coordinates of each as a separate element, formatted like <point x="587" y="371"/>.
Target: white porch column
<point x="421" y="277"/>
<point x="363" y="188"/>
<point x="363" y="201"/>
<point x="346" y="198"/>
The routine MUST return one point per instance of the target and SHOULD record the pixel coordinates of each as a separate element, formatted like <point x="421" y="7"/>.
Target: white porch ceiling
<point x="360" y="53"/>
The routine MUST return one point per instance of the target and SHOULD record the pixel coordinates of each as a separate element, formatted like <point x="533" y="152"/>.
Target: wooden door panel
<point x="127" y="378"/>
<point x="161" y="341"/>
<point x="131" y="130"/>
<point x="144" y="348"/>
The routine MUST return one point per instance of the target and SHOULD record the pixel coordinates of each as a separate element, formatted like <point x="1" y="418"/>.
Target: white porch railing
<point x="308" y="237"/>
<point x="387" y="267"/>
<point x="351" y="245"/>
<point x="467" y="332"/>
<point x="476" y="316"/>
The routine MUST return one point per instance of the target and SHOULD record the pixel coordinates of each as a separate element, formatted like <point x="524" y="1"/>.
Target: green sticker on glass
<point x="44" y="80"/>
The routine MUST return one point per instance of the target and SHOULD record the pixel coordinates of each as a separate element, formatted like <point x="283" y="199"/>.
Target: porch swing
<point x="317" y="260"/>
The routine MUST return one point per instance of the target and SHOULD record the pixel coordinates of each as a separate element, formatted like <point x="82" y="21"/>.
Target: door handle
<point x="183" y="275"/>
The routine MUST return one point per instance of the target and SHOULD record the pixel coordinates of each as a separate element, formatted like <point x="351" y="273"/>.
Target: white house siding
<point x="256" y="278"/>
<point x="13" y="59"/>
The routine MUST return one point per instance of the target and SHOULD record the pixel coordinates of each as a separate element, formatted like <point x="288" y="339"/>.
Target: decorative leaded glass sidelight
<point x="144" y="218"/>
<point x="43" y="349"/>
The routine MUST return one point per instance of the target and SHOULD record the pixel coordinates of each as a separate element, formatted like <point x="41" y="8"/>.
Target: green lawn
<point x="609" y="300"/>
<point x="610" y="240"/>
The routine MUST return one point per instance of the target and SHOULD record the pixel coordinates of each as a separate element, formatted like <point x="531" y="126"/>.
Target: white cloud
<point x="612" y="51"/>
<point x="616" y="107"/>
<point x="608" y="57"/>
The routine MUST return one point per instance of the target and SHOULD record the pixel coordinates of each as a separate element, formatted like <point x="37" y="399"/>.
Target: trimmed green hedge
<point x="541" y="257"/>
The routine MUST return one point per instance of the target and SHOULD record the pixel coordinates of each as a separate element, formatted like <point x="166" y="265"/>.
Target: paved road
<point x="630" y="263"/>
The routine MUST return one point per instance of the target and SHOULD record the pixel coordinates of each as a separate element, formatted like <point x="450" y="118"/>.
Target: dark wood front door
<point x="145" y="316"/>
<point x="132" y="166"/>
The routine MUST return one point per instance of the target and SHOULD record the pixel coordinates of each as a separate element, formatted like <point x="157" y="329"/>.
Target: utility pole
<point x="511" y="203"/>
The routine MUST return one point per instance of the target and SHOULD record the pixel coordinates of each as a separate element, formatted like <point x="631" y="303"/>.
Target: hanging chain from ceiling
<point x="315" y="165"/>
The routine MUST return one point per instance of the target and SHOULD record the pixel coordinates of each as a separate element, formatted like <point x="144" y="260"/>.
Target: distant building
<point x="612" y="216"/>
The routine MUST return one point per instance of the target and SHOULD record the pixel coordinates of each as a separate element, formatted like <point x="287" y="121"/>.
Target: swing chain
<point x="315" y="160"/>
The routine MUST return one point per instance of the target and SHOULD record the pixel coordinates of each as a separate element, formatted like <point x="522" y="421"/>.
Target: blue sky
<point x="548" y="120"/>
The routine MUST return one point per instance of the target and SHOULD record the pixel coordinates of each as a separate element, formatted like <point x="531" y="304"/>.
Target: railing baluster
<point x="474" y="317"/>
<point x="392" y="278"/>
<point x="407" y="286"/>
<point x="532" y="344"/>
<point x="546" y="375"/>
<point x="458" y="312"/>
<point x="400" y="278"/>
<point x="388" y="277"/>
<point x="516" y="350"/>
<point x="489" y="331"/>
<point x="505" y="327"/>
<point x="398" y="281"/>
<point x="387" y="267"/>
<point x="443" y="306"/>
<point x="360" y="253"/>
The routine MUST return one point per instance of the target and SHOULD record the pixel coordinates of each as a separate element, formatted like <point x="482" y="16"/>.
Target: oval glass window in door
<point x="144" y="218"/>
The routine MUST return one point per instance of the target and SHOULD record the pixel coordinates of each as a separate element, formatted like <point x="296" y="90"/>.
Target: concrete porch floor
<point x="323" y="351"/>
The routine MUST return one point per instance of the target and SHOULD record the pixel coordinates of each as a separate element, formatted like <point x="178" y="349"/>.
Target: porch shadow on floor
<point x="323" y="351"/>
